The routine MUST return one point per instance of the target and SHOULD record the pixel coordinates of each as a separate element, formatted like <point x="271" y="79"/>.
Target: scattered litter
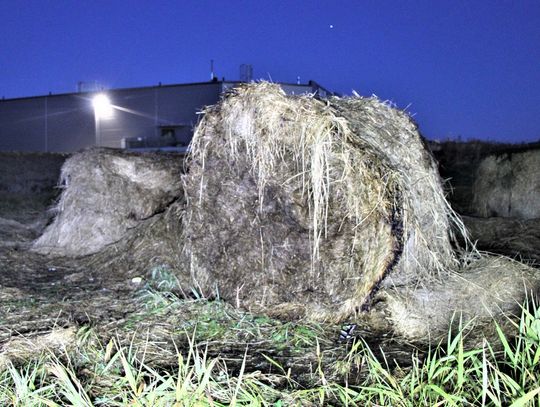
<point x="346" y="332"/>
<point x="136" y="280"/>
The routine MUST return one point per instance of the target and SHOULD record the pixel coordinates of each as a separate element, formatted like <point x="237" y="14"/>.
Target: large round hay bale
<point x="302" y="206"/>
<point x="508" y="185"/>
<point x="487" y="289"/>
<point x="106" y="193"/>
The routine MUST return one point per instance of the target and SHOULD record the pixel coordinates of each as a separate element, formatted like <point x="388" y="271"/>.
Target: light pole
<point x="103" y="109"/>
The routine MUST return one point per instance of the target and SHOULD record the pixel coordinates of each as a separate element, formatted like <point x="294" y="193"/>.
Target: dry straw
<point x="303" y="206"/>
<point x="487" y="289"/>
<point x="105" y="194"/>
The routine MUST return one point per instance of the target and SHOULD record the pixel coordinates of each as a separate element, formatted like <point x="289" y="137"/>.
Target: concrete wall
<point x="66" y="123"/>
<point x="71" y="124"/>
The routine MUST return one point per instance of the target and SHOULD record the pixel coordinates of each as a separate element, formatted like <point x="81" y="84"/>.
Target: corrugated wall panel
<point x="70" y="123"/>
<point x="140" y="112"/>
<point x="133" y="116"/>
<point x="22" y="125"/>
<point x="66" y="123"/>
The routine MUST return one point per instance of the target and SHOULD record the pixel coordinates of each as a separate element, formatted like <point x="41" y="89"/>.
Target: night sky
<point x="468" y="69"/>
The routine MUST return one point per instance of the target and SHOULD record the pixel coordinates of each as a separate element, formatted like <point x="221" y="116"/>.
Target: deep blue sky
<point x="463" y="68"/>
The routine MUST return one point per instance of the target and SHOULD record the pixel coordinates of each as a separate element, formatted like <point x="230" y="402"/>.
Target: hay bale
<point x="301" y="206"/>
<point x="487" y="289"/>
<point x="507" y="185"/>
<point x="106" y="193"/>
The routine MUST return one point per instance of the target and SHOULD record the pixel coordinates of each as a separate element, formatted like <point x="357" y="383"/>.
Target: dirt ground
<point x="49" y="292"/>
<point x="45" y="301"/>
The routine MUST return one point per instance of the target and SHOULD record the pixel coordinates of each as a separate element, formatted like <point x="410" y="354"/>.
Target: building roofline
<point x="158" y="86"/>
<point x="109" y="90"/>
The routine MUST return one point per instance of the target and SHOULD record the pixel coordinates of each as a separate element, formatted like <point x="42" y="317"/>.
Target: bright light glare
<point x="103" y="108"/>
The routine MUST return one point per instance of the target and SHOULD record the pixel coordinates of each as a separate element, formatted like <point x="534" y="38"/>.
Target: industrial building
<point x="154" y="117"/>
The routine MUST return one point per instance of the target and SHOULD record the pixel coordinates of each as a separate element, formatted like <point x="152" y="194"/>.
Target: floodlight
<point x="103" y="108"/>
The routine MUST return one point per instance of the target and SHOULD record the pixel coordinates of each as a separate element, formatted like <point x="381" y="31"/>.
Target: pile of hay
<point x="153" y="244"/>
<point x="507" y="185"/>
<point x="486" y="289"/>
<point x="296" y="207"/>
<point x="105" y="194"/>
<point x="301" y="207"/>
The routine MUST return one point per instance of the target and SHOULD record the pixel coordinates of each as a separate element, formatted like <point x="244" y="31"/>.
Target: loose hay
<point x="154" y="243"/>
<point x="507" y="185"/>
<point x="488" y="289"/>
<point x="106" y="193"/>
<point x="302" y="206"/>
<point x="17" y="350"/>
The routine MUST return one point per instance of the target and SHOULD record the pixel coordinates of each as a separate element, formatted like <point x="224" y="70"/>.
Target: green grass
<point x="217" y="320"/>
<point x="506" y="373"/>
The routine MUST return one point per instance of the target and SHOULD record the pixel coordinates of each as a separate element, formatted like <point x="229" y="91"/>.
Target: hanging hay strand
<point x="302" y="206"/>
<point x="105" y="194"/>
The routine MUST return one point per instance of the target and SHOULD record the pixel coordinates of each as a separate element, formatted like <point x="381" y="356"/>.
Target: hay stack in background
<point x="508" y="185"/>
<point x="300" y="205"/>
<point x="106" y="193"/>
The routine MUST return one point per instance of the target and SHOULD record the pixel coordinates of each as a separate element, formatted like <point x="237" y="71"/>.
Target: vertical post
<point x="46" y="123"/>
<point x="98" y="136"/>
<point x="156" y="113"/>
